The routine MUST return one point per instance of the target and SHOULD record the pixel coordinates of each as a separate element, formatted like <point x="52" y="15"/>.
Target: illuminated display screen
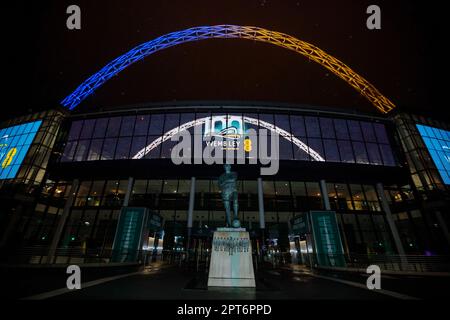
<point x="438" y="143"/>
<point x="304" y="138"/>
<point x="14" y="144"/>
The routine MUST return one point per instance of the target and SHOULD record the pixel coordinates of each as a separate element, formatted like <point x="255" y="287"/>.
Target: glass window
<point x="285" y="148"/>
<point x="141" y="126"/>
<point x="123" y="148"/>
<point x="69" y="151"/>
<point x="127" y="126"/>
<point x="367" y="129"/>
<point x="316" y="145"/>
<point x="186" y="117"/>
<point x="344" y="198"/>
<point x="282" y="121"/>
<point x="360" y="152"/>
<point x="172" y="121"/>
<point x="75" y="130"/>
<point x="331" y="150"/>
<point x="109" y="146"/>
<point x="268" y="188"/>
<point x="113" y="127"/>
<point x="386" y="153"/>
<point x="156" y="151"/>
<point x="82" y="150"/>
<point x="282" y="188"/>
<point x="154" y="186"/>
<point x="358" y="197"/>
<point x="95" y="150"/>
<point x="140" y="187"/>
<point x="83" y="190"/>
<point x="341" y="129"/>
<point x="298" y="126"/>
<point x="312" y="127"/>
<point x="314" y="195"/>
<point x="354" y="130"/>
<point x="156" y="124"/>
<point x="346" y="151"/>
<point x="374" y="153"/>
<point x="326" y="126"/>
<point x="137" y="145"/>
<point x="100" y="128"/>
<point x="88" y="129"/>
<point x="380" y="132"/>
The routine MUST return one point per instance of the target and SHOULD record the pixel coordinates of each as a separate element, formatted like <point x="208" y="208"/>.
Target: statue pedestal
<point x="231" y="259"/>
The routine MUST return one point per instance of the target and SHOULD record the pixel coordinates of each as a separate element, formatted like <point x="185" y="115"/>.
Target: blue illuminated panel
<point x="438" y="143"/>
<point x="14" y="144"/>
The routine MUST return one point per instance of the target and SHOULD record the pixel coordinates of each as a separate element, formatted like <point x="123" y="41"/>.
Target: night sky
<point x="44" y="61"/>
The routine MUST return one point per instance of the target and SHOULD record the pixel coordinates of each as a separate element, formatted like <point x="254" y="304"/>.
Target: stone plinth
<point x="231" y="259"/>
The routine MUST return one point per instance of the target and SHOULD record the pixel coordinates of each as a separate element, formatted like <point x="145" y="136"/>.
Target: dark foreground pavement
<point x="165" y="282"/>
<point x="174" y="284"/>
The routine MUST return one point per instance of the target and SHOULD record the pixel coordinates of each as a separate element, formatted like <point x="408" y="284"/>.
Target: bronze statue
<point x="227" y="184"/>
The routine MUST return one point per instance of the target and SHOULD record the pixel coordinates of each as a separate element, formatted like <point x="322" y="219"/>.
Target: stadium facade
<point x="79" y="186"/>
<point x="71" y="175"/>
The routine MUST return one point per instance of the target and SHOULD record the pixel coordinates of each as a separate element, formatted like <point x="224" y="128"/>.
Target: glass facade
<point x="96" y="206"/>
<point x="335" y="140"/>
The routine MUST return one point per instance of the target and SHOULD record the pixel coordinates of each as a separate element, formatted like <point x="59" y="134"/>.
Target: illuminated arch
<point x="185" y="126"/>
<point x="314" y="53"/>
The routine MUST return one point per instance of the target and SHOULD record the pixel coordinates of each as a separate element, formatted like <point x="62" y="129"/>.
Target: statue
<point x="227" y="184"/>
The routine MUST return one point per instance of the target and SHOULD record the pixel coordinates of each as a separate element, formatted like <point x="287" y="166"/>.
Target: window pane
<point x="386" y="153"/>
<point x="282" y="121"/>
<point x="371" y="194"/>
<point x="326" y="126"/>
<point x="141" y="126"/>
<point x="341" y="129"/>
<point x="312" y="127"/>
<point x="75" y="130"/>
<point x="123" y="148"/>
<point x="360" y="152"/>
<point x="367" y="129"/>
<point x="88" y="129"/>
<point x="137" y="145"/>
<point x="354" y="130"/>
<point x="380" y="132"/>
<point x="82" y="150"/>
<point x="374" y="153"/>
<point x="113" y="127"/>
<point x="298" y="126"/>
<point x="282" y="188"/>
<point x="109" y="146"/>
<point x="69" y="151"/>
<point x="346" y="151"/>
<point x="316" y="145"/>
<point x="155" y="152"/>
<point x="331" y="150"/>
<point x="127" y="126"/>
<point x="100" y="128"/>
<point x="95" y="149"/>
<point x="156" y="124"/>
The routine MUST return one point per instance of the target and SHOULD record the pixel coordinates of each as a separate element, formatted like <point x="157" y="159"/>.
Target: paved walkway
<point x="166" y="282"/>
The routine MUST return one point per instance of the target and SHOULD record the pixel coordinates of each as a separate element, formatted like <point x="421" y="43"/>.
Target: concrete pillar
<point x="62" y="221"/>
<point x="129" y="191"/>
<point x="324" y="192"/>
<point x="262" y="222"/>
<point x="391" y="222"/>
